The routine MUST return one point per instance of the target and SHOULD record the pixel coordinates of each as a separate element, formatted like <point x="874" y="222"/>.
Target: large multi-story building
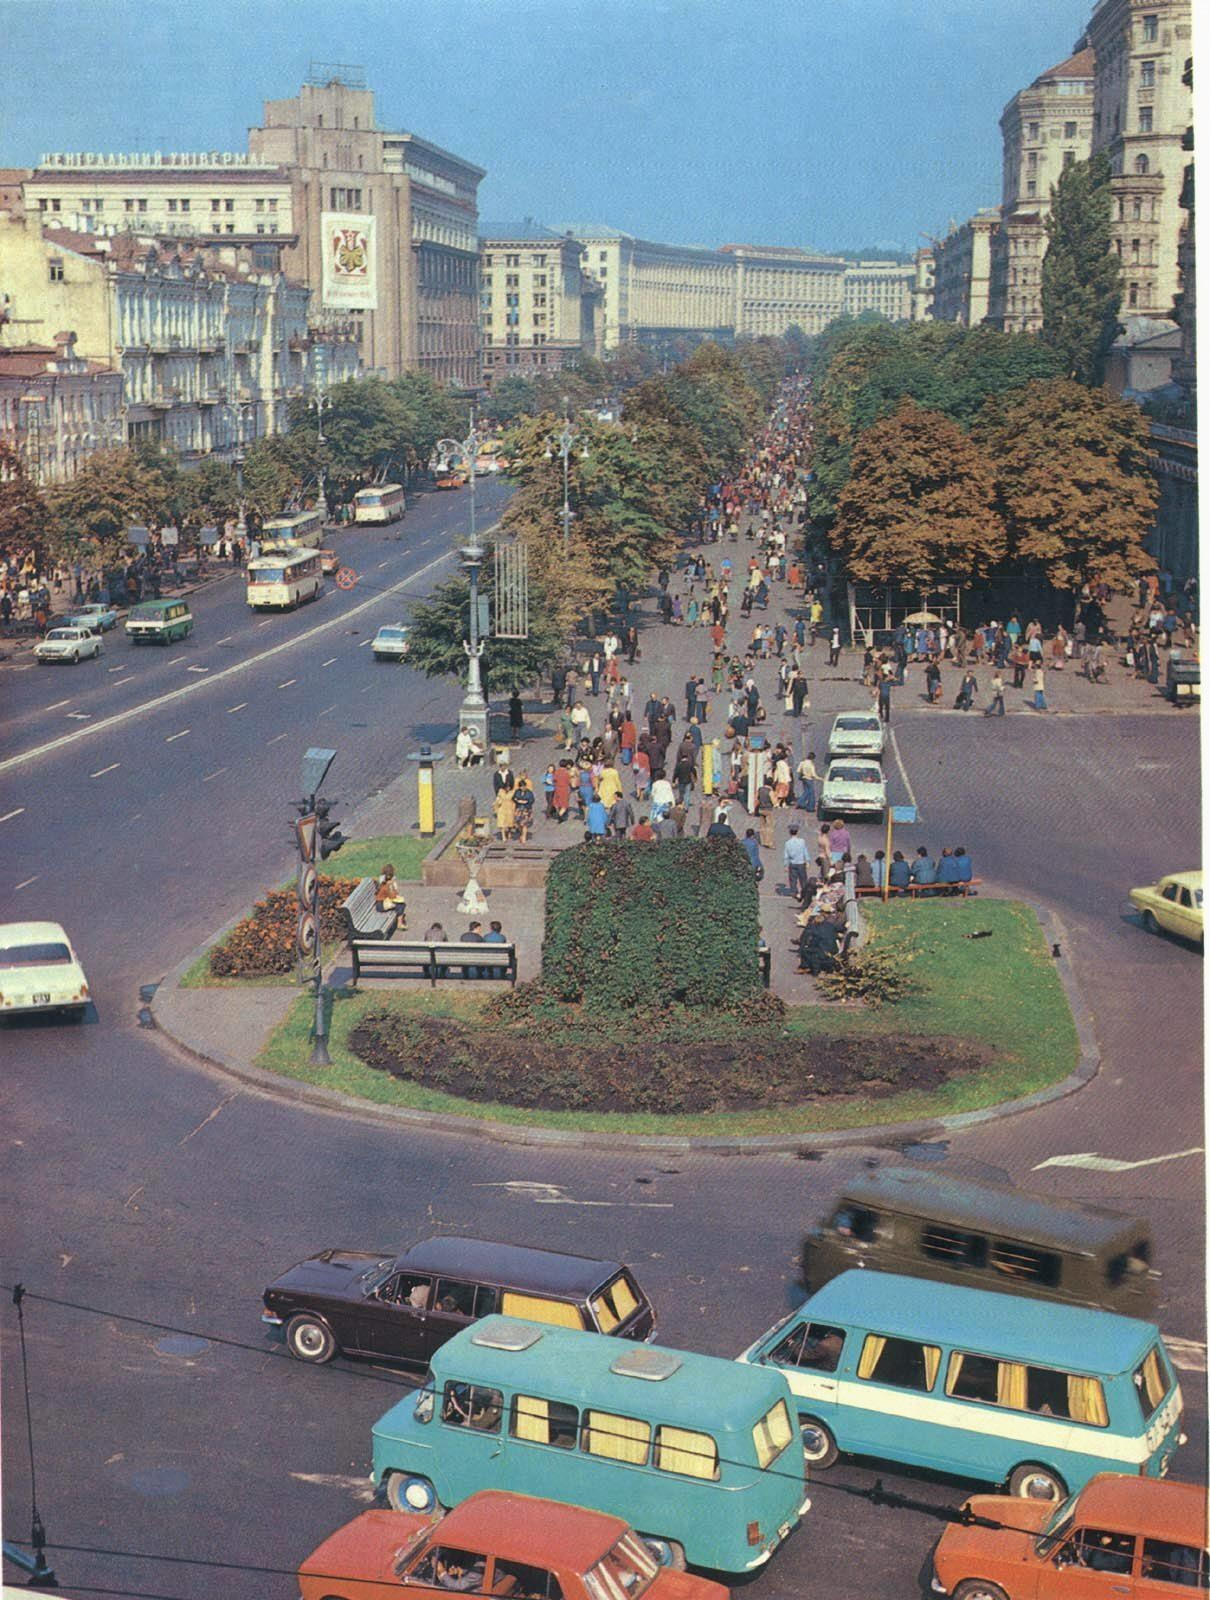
<point x="538" y="308"/>
<point x="656" y="294"/>
<point x="881" y="286"/>
<point x="387" y="227"/>
<point x="962" y="269"/>
<point x="57" y="408"/>
<point x="1141" y="110"/>
<point x="923" y="283"/>
<point x="1045" y="128"/>
<point x="778" y="288"/>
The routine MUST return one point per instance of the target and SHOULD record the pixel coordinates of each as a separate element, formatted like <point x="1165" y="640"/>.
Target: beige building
<point x="387" y="227"/>
<point x="962" y="270"/>
<point x="1141" y="110"/>
<point x="881" y="286"/>
<point x="657" y="293"/>
<point x="780" y="288"/>
<point x="923" y="283"/>
<point x="57" y="408"/>
<point x="1045" y="128"/>
<point x="538" y="308"/>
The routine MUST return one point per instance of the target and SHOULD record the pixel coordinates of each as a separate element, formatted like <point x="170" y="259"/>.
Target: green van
<point x="700" y="1454"/>
<point x="159" y="622"/>
<point x="985" y="1235"/>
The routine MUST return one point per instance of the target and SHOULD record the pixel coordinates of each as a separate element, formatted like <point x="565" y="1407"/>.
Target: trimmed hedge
<point x="263" y="945"/>
<point x="631" y="924"/>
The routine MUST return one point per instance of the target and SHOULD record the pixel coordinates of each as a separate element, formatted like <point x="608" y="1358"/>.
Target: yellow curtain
<point x="772" y="1434"/>
<point x="605" y="1313"/>
<point x="954" y="1372"/>
<point x="534" y="1308"/>
<point x="932" y="1362"/>
<point x="1153" y="1380"/>
<point x="874" y="1345"/>
<point x="619" y="1438"/>
<point x="531" y="1419"/>
<point x="624" y="1298"/>
<point x="682" y="1450"/>
<point x="1011" y="1385"/>
<point x="1086" y="1401"/>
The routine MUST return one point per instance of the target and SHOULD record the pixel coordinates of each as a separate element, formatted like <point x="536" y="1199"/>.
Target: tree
<point x="112" y="490"/>
<point x="441" y="623"/>
<point x="1074" y="483"/>
<point x="24" y="514"/>
<point x="1081" y="277"/>
<point x="919" y="507"/>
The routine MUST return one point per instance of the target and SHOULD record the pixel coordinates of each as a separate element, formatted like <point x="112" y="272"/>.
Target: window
<point x="457" y="1299"/>
<point x="1134" y="255"/>
<point x="142" y="205"/>
<point x="128" y="205"/>
<point x="539" y="280"/>
<point x="532" y="1307"/>
<point x="56" y="270"/>
<point x="1136" y="209"/>
<point x="901" y="1363"/>
<point x="273" y="204"/>
<point x="617" y="1438"/>
<point x="487" y="261"/>
<point x="525" y="1583"/>
<point x="184" y="205"/>
<point x="772" y="1434"/>
<point x="172" y="205"/>
<point x="1031" y="188"/>
<point x="1069" y="158"/>
<point x="443" y="1567"/>
<point x="406" y="1289"/>
<point x="1146" y="74"/>
<point x="487" y="1300"/>
<point x="1151" y="27"/>
<point x="856" y="1222"/>
<point x="1152" y="1381"/>
<point x="470" y="1405"/>
<point x="228" y="205"/>
<point x="997" y="1383"/>
<point x="953" y="1245"/>
<point x="539" y="261"/>
<point x="260" y="205"/>
<point x="512" y="261"/>
<point x="543" y="1421"/>
<point x="1174" y="1563"/>
<point x="539" y="319"/>
<point x="1024" y="1262"/>
<point x="512" y="280"/>
<point x="614" y="1304"/>
<point x="692" y="1454"/>
<point x="216" y="205"/>
<point x="260" y="227"/>
<point x="1031" y="130"/>
<point x="1031" y="160"/>
<point x="1145" y="119"/>
<point x="813" y="1345"/>
<point x="1069" y="130"/>
<point x="1098" y="1551"/>
<point x="1132" y="297"/>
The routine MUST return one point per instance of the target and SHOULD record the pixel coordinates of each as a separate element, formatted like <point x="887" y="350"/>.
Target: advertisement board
<point x="350" y="266"/>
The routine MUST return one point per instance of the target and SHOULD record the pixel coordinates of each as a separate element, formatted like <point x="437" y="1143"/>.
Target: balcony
<point x="209" y="397"/>
<point x="162" y="400"/>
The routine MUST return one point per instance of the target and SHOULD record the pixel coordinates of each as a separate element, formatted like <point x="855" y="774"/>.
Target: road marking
<point x="380" y="566"/>
<point x="79" y="716"/>
<point x="9" y="815"/>
<point x="328" y="662"/>
<point x="240" y="707"/>
<point x="176" y="660"/>
<point x="907" y="782"/>
<point x="1095" y="1163"/>
<point x="172" y="736"/>
<point x="216" y="774"/>
<point x="325" y="711"/>
<point x="278" y="736"/>
<point x="197" y="669"/>
<point x="59" y="704"/>
<point x="26" y="883"/>
<point x="553" y="1194"/>
<point x="1189" y="1354"/>
<point x="364" y="643"/>
<point x="266" y="622"/>
<point x="287" y="683"/>
<point x="118" y="669"/>
<point x="101" y="771"/>
<point x="226" y="640"/>
<point x="341" y="620"/>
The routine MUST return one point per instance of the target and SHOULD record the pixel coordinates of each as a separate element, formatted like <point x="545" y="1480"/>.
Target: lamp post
<point x="559" y="444"/>
<point x="321" y="404"/>
<point x="473" y="712"/>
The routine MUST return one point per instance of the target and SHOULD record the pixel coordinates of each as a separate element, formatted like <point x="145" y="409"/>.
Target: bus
<point x="297" y="528"/>
<point x="284" y="579"/>
<point x="382" y="502"/>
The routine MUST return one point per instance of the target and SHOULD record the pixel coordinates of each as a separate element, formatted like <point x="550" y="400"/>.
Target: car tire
<point x="309" y="1339"/>
<point x="666" y="1551"/>
<point x="74" y="658"/>
<point x="1030" y="1481"/>
<point x="1150" y="924"/>
<point x="406" y="1491"/>
<point x="818" y="1445"/>
<point x="978" y="1589"/>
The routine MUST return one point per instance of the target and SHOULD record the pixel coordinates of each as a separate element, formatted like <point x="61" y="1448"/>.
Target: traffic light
<point x="330" y="837"/>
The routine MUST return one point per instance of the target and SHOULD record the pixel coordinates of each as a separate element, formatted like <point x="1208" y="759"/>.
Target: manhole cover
<point x="160" y="1480"/>
<point x="181" y="1344"/>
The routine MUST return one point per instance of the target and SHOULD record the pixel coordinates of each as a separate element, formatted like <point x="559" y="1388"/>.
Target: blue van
<point x="697" y="1454"/>
<point x="980" y="1384"/>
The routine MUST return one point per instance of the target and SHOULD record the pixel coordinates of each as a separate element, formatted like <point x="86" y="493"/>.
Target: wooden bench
<point x="943" y="891"/>
<point x="434" y="959"/>
<point x="363" y="918"/>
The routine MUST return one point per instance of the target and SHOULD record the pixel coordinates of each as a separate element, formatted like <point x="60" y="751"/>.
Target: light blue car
<point x="97" y="617"/>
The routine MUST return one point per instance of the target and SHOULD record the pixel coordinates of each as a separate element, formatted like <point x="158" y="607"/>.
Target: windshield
<point x="854" y="775"/>
<point x="1057" y="1528"/>
<point x="267" y="575"/>
<point x="857" y="724"/>
<point x="391" y="633"/>
<point x="34" y="955"/>
<point x="1152" y="1381"/>
<point x="146" y="614"/>
<point x="1197" y="897"/>
<point x="63" y="633"/>
<point x="623" y="1573"/>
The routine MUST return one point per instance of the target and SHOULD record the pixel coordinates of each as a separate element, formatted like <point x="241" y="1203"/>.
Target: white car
<point x="853" y="788"/>
<point x="856" y="733"/>
<point x="39" y="971"/>
<point x="390" y="642"/>
<point x="68" y="644"/>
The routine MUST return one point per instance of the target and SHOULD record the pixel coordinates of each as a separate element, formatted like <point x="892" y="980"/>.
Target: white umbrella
<point x="919" y="618"/>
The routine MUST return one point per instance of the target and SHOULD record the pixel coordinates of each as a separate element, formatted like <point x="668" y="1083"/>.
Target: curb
<point x="888" y="1133"/>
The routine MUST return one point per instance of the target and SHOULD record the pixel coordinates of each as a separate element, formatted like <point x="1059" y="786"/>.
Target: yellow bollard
<point x="426" y="798"/>
<point x="709" y="751"/>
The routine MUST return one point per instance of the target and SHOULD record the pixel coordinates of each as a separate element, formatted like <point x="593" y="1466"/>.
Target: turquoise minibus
<point x="980" y="1384"/>
<point x="704" y="1466"/>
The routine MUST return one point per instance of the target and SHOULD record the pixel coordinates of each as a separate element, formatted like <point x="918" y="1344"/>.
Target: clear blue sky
<point x="835" y="123"/>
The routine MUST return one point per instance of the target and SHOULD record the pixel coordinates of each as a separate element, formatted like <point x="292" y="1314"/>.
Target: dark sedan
<point x="367" y="1302"/>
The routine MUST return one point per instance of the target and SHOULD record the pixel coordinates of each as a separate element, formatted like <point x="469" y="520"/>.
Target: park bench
<point x="365" y="920"/>
<point x="942" y="891"/>
<point x="391" y="957"/>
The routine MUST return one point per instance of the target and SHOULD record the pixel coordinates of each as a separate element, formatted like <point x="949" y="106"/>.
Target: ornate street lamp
<point x="560" y="444"/>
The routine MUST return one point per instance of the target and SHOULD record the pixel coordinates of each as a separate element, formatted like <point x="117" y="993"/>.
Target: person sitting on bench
<point x="818" y="946"/>
<point x="389" y="897"/>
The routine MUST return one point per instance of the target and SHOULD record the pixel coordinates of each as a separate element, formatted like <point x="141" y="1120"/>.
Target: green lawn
<point x="1002" y="991"/>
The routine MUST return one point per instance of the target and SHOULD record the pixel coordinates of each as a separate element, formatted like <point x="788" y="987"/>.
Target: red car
<point x="495" y="1543"/>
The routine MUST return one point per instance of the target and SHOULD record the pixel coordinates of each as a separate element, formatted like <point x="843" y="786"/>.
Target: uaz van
<point x="159" y="622"/>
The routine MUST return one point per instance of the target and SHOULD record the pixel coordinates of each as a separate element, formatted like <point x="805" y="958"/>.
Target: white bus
<point x="382" y="502"/>
<point x="284" y="579"/>
<point x="302" y="528"/>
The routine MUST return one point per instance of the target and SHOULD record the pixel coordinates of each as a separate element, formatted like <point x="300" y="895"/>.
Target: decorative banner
<point x="350" y="266"/>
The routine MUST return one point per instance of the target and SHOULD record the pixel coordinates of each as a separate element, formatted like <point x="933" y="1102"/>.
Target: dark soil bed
<point x="613" y="1070"/>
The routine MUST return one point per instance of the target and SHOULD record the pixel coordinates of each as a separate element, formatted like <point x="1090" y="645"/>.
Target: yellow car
<point x="1173" y="905"/>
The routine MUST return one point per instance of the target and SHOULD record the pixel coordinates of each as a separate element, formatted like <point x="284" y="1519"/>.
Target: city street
<point x="171" y="1194"/>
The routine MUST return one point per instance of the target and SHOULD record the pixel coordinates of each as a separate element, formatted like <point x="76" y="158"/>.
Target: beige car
<point x="1173" y="905"/>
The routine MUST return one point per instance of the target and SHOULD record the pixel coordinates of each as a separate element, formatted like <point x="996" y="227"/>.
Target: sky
<point x="837" y="124"/>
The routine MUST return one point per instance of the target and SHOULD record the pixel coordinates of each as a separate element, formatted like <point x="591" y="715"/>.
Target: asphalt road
<point x="139" y="1184"/>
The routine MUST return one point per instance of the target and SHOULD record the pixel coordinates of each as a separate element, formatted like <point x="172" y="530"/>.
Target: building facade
<point x="1045" y="128"/>
<point x="923" y="283"/>
<point x="537" y="305"/>
<point x="1141" y="110"/>
<point x="781" y="288"/>
<point x="881" y="286"/>
<point x="57" y="408"/>
<point x="962" y="270"/>
<point x="656" y="294"/>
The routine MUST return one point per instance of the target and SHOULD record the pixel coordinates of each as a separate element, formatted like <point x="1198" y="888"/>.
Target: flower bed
<point x="263" y="944"/>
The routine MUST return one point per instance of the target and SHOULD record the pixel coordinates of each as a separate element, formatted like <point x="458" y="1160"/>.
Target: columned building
<point x="1141" y="110"/>
<point x="881" y="286"/>
<point x="781" y="288"/>
<point x="536" y="303"/>
<point x="923" y="282"/>
<point x="656" y="294"/>
<point x="1045" y="128"/>
<point x="962" y="270"/>
<point x="57" y="408"/>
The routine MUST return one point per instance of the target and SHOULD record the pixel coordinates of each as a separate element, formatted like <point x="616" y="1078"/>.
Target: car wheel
<point x="308" y="1339"/>
<point x="408" y="1492"/>
<point x="1032" y="1482"/>
<point x="74" y="658"/>
<point x="666" y="1551"/>
<point x="818" y="1446"/>
<point x="978" y="1589"/>
<point x="1149" y="922"/>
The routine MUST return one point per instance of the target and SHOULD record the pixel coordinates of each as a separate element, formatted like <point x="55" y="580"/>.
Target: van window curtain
<point x="535" y="1308"/>
<point x="619" y="1438"/>
<point x="604" y="1313"/>
<point x="932" y="1364"/>
<point x="695" y="1455"/>
<point x="1012" y="1384"/>
<point x="954" y="1374"/>
<point x="531" y="1419"/>
<point x="624" y="1298"/>
<point x="874" y="1345"/>
<point x="1086" y="1401"/>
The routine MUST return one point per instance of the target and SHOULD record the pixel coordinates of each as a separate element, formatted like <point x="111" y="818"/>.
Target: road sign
<point x="306" y="935"/>
<point x="304" y="828"/>
<point x="903" y="813"/>
<point x="305" y="886"/>
<point x="346" y="578"/>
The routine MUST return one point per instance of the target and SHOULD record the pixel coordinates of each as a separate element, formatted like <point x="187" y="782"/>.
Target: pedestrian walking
<point x="884" y="700"/>
<point x="996" y="709"/>
<point x="516" y="715"/>
<point x="1039" y="681"/>
<point x="796" y="857"/>
<point x="834" y="647"/>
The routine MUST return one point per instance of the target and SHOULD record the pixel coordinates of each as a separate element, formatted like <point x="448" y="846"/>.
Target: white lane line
<point x="136" y="817"/>
<point x="278" y="736"/>
<point x="197" y="669"/>
<point x="287" y="683"/>
<point x="79" y="716"/>
<point x="266" y="622"/>
<point x="101" y="771"/>
<point x="217" y="773"/>
<point x="364" y="643"/>
<point x="176" y="660"/>
<point x="340" y="621"/>
<point x="380" y="566"/>
<point x="328" y="662"/>
<point x="226" y="640"/>
<point x="122" y="668"/>
<point x="325" y="711"/>
<point x="174" y="736"/>
<point x="240" y="707"/>
<point x="58" y="704"/>
<point x="907" y="782"/>
<point x="9" y="815"/>
<point x="26" y="883"/>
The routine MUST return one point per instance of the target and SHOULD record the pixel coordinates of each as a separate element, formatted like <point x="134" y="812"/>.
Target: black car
<point x="367" y="1302"/>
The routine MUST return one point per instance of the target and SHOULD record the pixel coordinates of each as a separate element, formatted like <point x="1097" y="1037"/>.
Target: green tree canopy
<point x="440" y="624"/>
<point x="1081" y="277"/>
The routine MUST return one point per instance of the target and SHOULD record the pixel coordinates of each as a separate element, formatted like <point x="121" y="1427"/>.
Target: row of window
<point x="513" y="358"/>
<point x="515" y="260"/>
<point x="345" y="199"/>
<point x="1033" y="130"/>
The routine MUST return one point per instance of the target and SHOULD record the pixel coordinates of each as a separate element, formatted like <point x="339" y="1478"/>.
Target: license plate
<point x="41" y="999"/>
